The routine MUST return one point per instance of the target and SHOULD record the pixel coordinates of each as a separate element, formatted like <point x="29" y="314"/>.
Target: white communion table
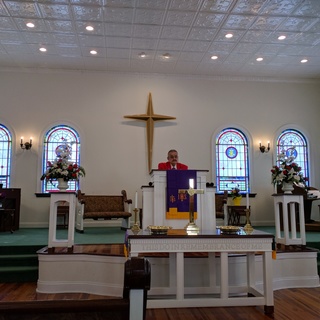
<point x="218" y="246"/>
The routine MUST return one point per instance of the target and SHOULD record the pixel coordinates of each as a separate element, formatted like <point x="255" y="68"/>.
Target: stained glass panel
<point x="232" y="161"/>
<point x="56" y="139"/>
<point x="5" y="156"/>
<point x="292" y="138"/>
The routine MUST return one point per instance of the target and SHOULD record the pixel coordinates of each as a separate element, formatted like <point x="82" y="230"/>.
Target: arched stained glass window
<point x="290" y="138"/>
<point x="55" y="140"/>
<point x="232" y="170"/>
<point x="5" y="156"/>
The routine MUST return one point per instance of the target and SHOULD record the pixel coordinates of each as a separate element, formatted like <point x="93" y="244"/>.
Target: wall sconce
<point x="264" y="149"/>
<point x="27" y="145"/>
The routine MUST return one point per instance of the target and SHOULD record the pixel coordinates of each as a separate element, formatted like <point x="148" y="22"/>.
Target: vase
<point x="62" y="184"/>
<point x="237" y="201"/>
<point x="287" y="187"/>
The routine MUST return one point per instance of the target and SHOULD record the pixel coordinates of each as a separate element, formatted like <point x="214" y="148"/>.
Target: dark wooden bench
<point x="103" y="207"/>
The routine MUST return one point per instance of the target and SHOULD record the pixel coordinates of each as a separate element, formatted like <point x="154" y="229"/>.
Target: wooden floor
<point x="290" y="304"/>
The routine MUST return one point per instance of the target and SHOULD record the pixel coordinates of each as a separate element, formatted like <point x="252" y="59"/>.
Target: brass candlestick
<point x="135" y="227"/>
<point x="248" y="227"/>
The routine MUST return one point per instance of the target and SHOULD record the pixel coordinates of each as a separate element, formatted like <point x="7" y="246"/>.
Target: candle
<point x="30" y="140"/>
<point x="136" y="201"/>
<point x="191" y="184"/>
<point x="247" y="198"/>
<point x="21" y="141"/>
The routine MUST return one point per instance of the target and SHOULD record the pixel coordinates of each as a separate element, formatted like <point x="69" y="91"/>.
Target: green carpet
<point x="39" y="236"/>
<point x="310" y="236"/>
<point x="96" y="235"/>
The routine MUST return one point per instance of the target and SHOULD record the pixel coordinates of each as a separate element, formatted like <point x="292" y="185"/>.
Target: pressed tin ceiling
<point x="189" y="32"/>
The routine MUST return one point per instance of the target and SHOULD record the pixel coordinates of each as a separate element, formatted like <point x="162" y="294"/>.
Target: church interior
<point x="174" y="54"/>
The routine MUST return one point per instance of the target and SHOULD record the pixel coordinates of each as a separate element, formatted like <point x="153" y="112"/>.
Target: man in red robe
<point x="172" y="162"/>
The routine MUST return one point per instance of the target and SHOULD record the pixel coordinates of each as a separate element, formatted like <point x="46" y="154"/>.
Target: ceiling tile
<point x="185" y="4"/>
<point x="22" y="9"/>
<point x="202" y="34"/>
<point x="171" y="32"/>
<point x="61" y="26"/>
<point x="56" y="11"/>
<point x="208" y="20"/>
<point x="88" y="13"/>
<point x="169" y="45"/>
<point x="280" y="7"/>
<point x="146" y="31"/>
<point x="238" y="22"/>
<point x="146" y="16"/>
<point x="201" y="46"/>
<point x="119" y="15"/>
<point x="179" y="18"/>
<point x="144" y="44"/>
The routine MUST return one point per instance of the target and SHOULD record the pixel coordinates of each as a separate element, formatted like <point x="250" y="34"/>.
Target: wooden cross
<point x="150" y="118"/>
<point x="191" y="227"/>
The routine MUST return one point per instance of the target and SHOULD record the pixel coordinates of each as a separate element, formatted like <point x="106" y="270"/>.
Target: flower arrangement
<point x="287" y="170"/>
<point x="61" y="167"/>
<point x="235" y="193"/>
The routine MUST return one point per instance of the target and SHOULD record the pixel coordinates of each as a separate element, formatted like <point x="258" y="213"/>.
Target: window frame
<point x="61" y="134"/>
<point x="303" y="163"/>
<point x="5" y="156"/>
<point x="244" y="183"/>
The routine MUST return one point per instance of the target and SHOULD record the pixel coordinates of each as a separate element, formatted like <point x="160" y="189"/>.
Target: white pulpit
<point x="56" y="197"/>
<point x="154" y="203"/>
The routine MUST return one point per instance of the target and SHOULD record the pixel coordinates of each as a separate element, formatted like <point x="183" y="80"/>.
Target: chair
<point x="221" y="206"/>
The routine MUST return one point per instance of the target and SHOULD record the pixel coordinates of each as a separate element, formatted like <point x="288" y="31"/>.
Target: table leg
<point x="251" y="273"/>
<point x="212" y="269"/>
<point x="267" y="280"/>
<point x="180" y="275"/>
<point x="224" y="281"/>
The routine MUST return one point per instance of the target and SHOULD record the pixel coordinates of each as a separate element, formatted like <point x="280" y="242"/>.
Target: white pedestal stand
<point x="289" y="236"/>
<point x="53" y="242"/>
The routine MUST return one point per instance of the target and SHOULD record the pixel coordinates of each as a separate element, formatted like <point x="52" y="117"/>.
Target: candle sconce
<point x="264" y="149"/>
<point x="27" y="145"/>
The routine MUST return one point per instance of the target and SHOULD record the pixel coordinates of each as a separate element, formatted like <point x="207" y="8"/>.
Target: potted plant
<point x="63" y="170"/>
<point x="288" y="172"/>
<point x="236" y="196"/>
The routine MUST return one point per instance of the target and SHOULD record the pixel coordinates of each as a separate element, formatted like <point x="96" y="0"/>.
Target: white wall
<point x="114" y="149"/>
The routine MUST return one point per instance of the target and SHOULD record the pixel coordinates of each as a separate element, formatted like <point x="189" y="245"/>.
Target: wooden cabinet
<point x="9" y="209"/>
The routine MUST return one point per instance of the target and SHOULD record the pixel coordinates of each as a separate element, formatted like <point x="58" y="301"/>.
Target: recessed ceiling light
<point x="259" y="59"/>
<point x="30" y="25"/>
<point x="166" y="56"/>
<point x="304" y="60"/>
<point x="214" y="57"/>
<point x="93" y="52"/>
<point x="281" y="37"/>
<point x="89" y="28"/>
<point x="142" y="55"/>
<point x="229" y="35"/>
<point x="42" y="49"/>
